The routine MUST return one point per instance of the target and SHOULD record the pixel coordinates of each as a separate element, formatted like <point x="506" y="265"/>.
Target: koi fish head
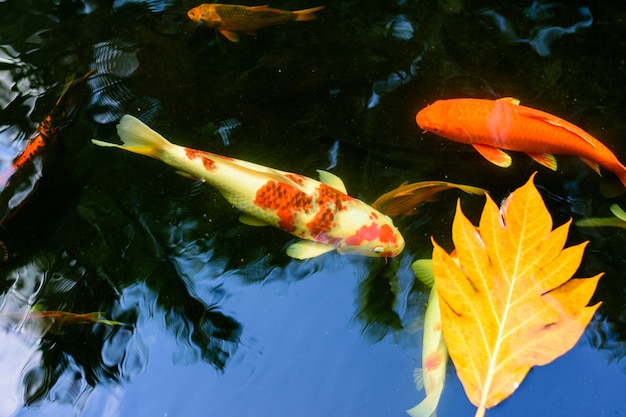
<point x="435" y="117"/>
<point x="206" y="14"/>
<point x="455" y="119"/>
<point x="379" y="239"/>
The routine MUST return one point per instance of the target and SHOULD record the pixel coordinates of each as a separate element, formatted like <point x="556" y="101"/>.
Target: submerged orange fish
<point x="492" y="125"/>
<point x="4" y="253"/>
<point x="320" y="213"/>
<point x="230" y="18"/>
<point x="52" y="320"/>
<point x="47" y="131"/>
<point x="18" y="180"/>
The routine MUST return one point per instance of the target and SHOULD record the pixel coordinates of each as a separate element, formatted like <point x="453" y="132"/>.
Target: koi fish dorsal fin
<point x="510" y="100"/>
<point x="547" y="160"/>
<point x="332" y="180"/>
<point x="494" y="155"/>
<point x="556" y="121"/>
<point x="306" y="249"/>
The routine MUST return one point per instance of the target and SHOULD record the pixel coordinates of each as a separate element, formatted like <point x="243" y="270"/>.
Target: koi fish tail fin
<point x="137" y="137"/>
<point x="428" y="406"/>
<point x="306" y="14"/>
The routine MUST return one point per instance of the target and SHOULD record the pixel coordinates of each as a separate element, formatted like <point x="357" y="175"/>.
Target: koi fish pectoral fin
<point x="332" y="180"/>
<point x="494" y="155"/>
<point x="252" y="221"/>
<point x="230" y="35"/>
<point x="306" y="249"/>
<point x="547" y="160"/>
<point x="418" y="378"/>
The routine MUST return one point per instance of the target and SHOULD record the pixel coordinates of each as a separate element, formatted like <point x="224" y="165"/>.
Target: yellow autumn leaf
<point x="508" y="303"/>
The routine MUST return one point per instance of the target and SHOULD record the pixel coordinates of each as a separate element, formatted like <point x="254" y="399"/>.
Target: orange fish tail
<point x="306" y="14"/>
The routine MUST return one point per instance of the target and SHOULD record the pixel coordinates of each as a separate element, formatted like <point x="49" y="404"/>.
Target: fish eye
<point x="379" y="249"/>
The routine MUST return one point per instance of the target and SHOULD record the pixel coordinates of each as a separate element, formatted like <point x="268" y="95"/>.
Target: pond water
<point x="216" y="319"/>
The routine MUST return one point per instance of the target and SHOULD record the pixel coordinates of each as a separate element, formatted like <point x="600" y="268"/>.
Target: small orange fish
<point x="230" y="18"/>
<point x="66" y="317"/>
<point x="405" y="199"/>
<point x="4" y="253"/>
<point x="492" y="125"/>
<point x="52" y="320"/>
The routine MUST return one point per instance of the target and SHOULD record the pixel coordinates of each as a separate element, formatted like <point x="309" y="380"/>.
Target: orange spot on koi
<point x="207" y="162"/>
<point x="284" y="200"/>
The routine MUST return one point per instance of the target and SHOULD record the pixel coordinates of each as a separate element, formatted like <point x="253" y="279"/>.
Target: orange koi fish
<point x="492" y="125"/>
<point x="230" y="18"/>
<point x="432" y="375"/>
<point x="52" y="321"/>
<point x="405" y="199"/>
<point x="66" y="317"/>
<point x="320" y="213"/>
<point x="15" y="184"/>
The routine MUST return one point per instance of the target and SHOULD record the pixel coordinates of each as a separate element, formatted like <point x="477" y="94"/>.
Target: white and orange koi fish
<point x="321" y="213"/>
<point x="432" y="375"/>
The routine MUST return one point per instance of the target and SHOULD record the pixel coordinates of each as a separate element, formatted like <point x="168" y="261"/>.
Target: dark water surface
<point x="218" y="321"/>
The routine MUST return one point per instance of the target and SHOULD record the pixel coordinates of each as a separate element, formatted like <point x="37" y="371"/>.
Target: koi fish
<point x="492" y="125"/>
<point x="404" y="199"/>
<point x="52" y="321"/>
<point x="320" y="213"/>
<point x="230" y="18"/>
<point x="13" y="193"/>
<point x="432" y="375"/>
<point x="66" y="317"/>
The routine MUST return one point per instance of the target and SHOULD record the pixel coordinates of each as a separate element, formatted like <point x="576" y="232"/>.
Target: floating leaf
<point x="405" y="198"/>
<point x="509" y="303"/>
